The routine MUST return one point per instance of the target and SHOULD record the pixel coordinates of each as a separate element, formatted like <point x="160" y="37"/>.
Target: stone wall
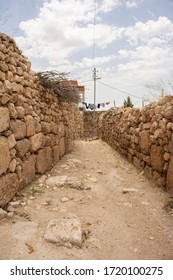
<point x="144" y="136"/>
<point x="88" y="117"/>
<point x="36" y="128"/>
<point x="79" y="125"/>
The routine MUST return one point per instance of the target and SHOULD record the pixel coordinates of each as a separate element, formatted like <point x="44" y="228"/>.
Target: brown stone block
<point x="17" y="88"/>
<point x="19" y="71"/>
<point x="3" y="49"/>
<point x="37" y="126"/>
<point x="20" y="112"/>
<point x="158" y="134"/>
<point x="44" y="160"/>
<point x="57" y="139"/>
<point x="54" y="128"/>
<point x="168" y="113"/>
<point x="131" y="151"/>
<point x="170" y="146"/>
<point x="148" y="171"/>
<point x="161" y="182"/>
<point x="62" y="147"/>
<point x="2" y="56"/>
<point x="166" y="156"/>
<point x="46" y="127"/>
<point x="37" y="141"/>
<point x="28" y="172"/>
<point x="18" y="79"/>
<point x="4" y="154"/>
<point x="12" y="110"/>
<point x="169" y="182"/>
<point x="12" y="165"/>
<point x="68" y="145"/>
<point x="144" y="141"/>
<point x="61" y="129"/>
<point x="8" y="187"/>
<point x="28" y="108"/>
<point x="52" y="139"/>
<point x="11" y="141"/>
<point x="55" y="154"/>
<point x="4" y="119"/>
<point x="30" y="125"/>
<point x="2" y="76"/>
<point x="22" y="147"/>
<point x="147" y="125"/>
<point x="157" y="161"/>
<point x="8" y="86"/>
<point x="18" y="128"/>
<point x="9" y="76"/>
<point x="136" y="162"/>
<point x="2" y="89"/>
<point x="4" y="99"/>
<point x="146" y="159"/>
<point x="19" y="100"/>
<point x="3" y="67"/>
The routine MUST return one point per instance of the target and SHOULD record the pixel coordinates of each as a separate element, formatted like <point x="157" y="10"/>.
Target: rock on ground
<point x="3" y="214"/>
<point x="64" y="181"/>
<point x="64" y="231"/>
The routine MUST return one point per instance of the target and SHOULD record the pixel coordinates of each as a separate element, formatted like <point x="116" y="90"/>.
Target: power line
<point x="120" y="90"/>
<point x="94" y="37"/>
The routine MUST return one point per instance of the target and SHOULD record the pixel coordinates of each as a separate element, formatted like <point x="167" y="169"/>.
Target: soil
<point x="123" y="215"/>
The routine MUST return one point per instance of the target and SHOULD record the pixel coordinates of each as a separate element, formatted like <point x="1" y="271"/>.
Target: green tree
<point x="128" y="102"/>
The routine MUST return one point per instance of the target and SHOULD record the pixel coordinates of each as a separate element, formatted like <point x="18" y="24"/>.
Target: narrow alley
<point x="122" y="215"/>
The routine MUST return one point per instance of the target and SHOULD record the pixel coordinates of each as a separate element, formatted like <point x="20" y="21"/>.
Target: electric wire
<point x="94" y="31"/>
<point x="130" y="94"/>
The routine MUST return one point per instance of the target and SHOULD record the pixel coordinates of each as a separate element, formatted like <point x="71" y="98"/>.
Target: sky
<point x="129" y="42"/>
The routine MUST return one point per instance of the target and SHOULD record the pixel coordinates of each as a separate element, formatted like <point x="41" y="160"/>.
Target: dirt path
<point x="122" y="214"/>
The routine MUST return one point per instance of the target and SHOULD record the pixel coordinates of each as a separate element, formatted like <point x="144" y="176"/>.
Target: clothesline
<point x="91" y="106"/>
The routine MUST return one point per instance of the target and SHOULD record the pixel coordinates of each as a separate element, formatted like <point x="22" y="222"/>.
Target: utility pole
<point x="95" y="80"/>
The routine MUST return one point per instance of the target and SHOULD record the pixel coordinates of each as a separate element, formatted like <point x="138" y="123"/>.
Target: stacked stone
<point x="36" y="129"/>
<point x="144" y="136"/>
<point x="79" y="125"/>
<point x="89" y="120"/>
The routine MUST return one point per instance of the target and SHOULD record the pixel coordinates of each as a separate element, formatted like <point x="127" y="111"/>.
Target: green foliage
<point x="128" y="103"/>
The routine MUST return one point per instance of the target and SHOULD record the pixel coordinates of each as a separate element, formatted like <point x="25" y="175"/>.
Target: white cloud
<point x="145" y="64"/>
<point x="143" y="32"/>
<point x="86" y="63"/>
<point x="133" y="3"/>
<point x="109" y="5"/>
<point x="61" y="30"/>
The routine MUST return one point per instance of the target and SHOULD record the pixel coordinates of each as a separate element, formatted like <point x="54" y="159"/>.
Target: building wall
<point x="144" y="136"/>
<point x="36" y="127"/>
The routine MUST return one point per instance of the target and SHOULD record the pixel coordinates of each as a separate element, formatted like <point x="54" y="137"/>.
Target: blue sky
<point x="130" y="42"/>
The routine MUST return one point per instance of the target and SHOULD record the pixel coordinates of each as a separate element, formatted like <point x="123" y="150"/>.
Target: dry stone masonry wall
<point x="89" y="125"/>
<point x="144" y="136"/>
<point x="36" y="128"/>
